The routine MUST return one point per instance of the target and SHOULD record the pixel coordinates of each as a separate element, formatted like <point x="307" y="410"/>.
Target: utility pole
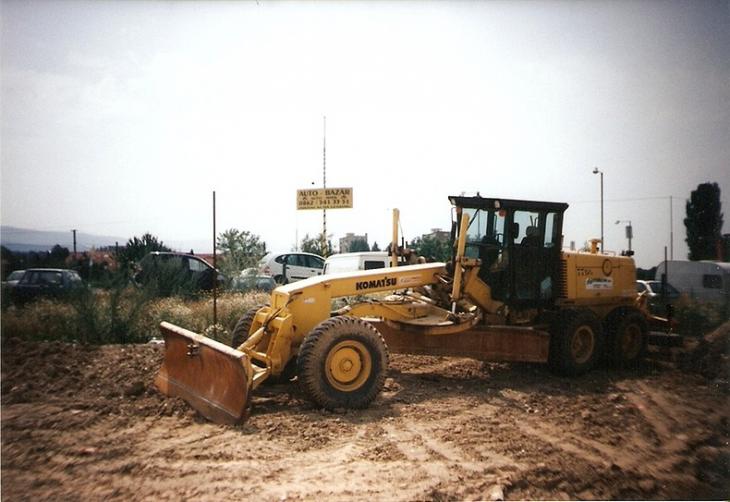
<point x="74" y="233"/>
<point x="324" y="183"/>
<point x="215" y="275"/>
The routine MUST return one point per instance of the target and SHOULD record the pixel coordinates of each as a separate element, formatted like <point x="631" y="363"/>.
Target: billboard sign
<point x="324" y="198"/>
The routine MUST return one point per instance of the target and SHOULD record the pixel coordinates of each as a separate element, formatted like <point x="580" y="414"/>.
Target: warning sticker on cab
<point x="602" y="283"/>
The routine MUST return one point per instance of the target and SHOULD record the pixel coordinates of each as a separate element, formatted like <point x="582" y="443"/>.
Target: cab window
<point x="526" y="229"/>
<point x="485" y="232"/>
<point x="552" y="239"/>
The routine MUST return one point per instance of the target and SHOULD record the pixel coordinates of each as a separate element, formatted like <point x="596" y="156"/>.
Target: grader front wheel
<point x="342" y="363"/>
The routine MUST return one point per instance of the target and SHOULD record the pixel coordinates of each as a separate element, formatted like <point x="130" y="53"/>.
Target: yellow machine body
<point x="439" y="309"/>
<point x="598" y="278"/>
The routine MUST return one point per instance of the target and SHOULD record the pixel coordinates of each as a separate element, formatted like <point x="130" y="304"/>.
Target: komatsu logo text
<point x="376" y="283"/>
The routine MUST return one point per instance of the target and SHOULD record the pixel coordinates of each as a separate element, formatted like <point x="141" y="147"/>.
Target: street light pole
<point x="596" y="171"/>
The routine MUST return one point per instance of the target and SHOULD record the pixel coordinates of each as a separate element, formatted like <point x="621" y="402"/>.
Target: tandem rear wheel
<point x="626" y="341"/>
<point x="576" y="342"/>
<point x="342" y="363"/>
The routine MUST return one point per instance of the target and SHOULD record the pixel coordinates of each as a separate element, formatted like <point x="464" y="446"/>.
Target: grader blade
<point x="213" y="378"/>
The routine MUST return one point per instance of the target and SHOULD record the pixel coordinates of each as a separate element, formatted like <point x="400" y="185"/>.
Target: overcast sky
<point x="120" y="118"/>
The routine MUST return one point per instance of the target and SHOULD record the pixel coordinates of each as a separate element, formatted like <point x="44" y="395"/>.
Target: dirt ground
<point x="85" y="423"/>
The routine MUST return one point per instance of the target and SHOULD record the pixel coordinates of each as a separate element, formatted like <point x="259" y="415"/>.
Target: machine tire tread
<point x="313" y="354"/>
<point x="243" y="326"/>
<point x="616" y="322"/>
<point x="568" y="322"/>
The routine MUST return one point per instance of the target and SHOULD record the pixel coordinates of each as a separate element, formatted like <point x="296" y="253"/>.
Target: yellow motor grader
<point x="510" y="293"/>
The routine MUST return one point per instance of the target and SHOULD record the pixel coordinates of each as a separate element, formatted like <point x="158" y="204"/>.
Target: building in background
<point x="351" y="243"/>
<point x="437" y="233"/>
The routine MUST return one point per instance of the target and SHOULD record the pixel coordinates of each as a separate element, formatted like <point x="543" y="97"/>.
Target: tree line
<point x="241" y="249"/>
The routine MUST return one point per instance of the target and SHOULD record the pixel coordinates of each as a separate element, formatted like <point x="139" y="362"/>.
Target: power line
<point x="631" y="199"/>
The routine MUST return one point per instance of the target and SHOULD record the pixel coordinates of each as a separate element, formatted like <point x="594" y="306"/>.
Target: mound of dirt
<point x="112" y="379"/>
<point x="711" y="356"/>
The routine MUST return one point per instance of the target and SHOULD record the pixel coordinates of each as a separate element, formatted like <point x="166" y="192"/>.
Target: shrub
<point x="165" y="278"/>
<point x="698" y="318"/>
<point x="111" y="316"/>
<point x="123" y="315"/>
<point x="40" y="320"/>
<point x="197" y="315"/>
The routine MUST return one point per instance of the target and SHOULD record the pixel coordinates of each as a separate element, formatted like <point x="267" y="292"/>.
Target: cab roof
<point x="479" y="202"/>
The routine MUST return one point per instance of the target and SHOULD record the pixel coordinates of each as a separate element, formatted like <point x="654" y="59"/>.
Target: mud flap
<point x="212" y="377"/>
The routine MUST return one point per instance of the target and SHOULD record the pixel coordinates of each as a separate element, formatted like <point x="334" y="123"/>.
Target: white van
<point x="702" y="280"/>
<point x="349" y="262"/>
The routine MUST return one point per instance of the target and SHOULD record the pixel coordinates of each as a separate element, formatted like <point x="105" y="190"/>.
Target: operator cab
<point x="518" y="243"/>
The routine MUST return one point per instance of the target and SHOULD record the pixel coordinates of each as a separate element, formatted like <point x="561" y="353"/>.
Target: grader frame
<point x="340" y="358"/>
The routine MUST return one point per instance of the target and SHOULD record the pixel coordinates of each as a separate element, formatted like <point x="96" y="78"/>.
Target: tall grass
<point x="123" y="315"/>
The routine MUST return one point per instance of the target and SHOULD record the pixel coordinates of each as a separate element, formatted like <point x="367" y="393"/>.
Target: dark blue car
<point x="46" y="282"/>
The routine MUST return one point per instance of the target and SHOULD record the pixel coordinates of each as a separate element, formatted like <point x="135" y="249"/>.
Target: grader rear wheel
<point x="342" y="363"/>
<point x="576" y="342"/>
<point x="626" y="344"/>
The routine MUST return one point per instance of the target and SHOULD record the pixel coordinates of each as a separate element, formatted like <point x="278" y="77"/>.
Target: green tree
<point x="431" y="248"/>
<point x="59" y="253"/>
<point x="375" y="246"/>
<point x="704" y="222"/>
<point x="358" y="245"/>
<point x="138" y="247"/>
<point x="316" y="245"/>
<point x="241" y="249"/>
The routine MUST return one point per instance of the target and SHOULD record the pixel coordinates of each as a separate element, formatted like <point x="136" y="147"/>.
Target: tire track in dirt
<point x="437" y="454"/>
<point x="590" y="451"/>
<point x="445" y="429"/>
<point x="668" y="449"/>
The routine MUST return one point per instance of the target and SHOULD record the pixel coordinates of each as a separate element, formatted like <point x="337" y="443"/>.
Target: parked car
<point x="12" y="280"/>
<point x="657" y="302"/>
<point x="290" y="267"/>
<point x="349" y="262"/>
<point x="178" y="270"/>
<point x="251" y="280"/>
<point x="45" y="282"/>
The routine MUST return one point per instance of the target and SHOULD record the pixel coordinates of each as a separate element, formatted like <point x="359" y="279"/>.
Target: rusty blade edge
<point x="209" y="409"/>
<point x="175" y="388"/>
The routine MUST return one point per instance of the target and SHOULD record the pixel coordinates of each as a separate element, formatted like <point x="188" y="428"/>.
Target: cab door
<point x="534" y="247"/>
